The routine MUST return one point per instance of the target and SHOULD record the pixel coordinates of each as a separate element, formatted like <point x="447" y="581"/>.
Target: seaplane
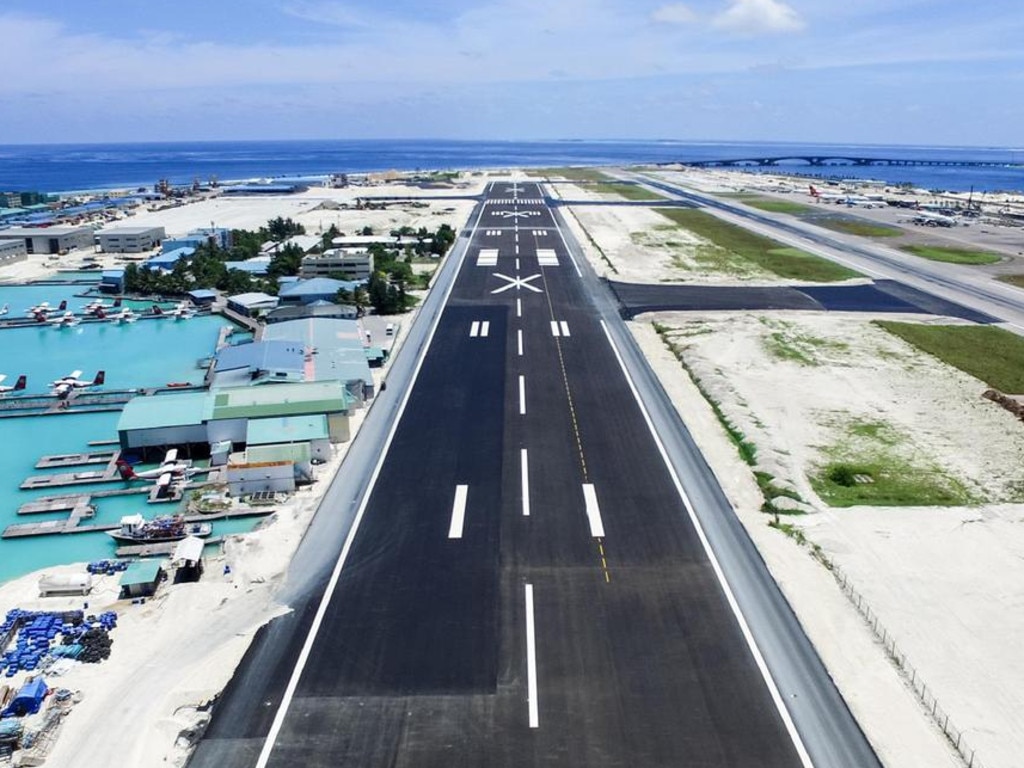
<point x="63" y="387"/>
<point x="169" y="468"/>
<point x="98" y="306"/>
<point x="19" y="385"/>
<point x="5" y="309"/>
<point x="67" y="320"/>
<point x="182" y="311"/>
<point x="42" y="309"/>
<point x="126" y="315"/>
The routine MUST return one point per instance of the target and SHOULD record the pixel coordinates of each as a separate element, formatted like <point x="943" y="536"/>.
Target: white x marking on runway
<point x="517" y="283"/>
<point x="516" y="214"/>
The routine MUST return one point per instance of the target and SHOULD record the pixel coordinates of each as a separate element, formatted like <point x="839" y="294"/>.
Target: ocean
<point x="70" y="167"/>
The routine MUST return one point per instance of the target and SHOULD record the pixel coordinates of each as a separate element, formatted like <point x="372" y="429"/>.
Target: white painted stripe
<point x="524" y="471"/>
<point x="593" y="511"/>
<point x="522" y="395"/>
<point x="531" y="660"/>
<point x="519" y="307"/>
<point x="755" y="651"/>
<point x="488" y="257"/>
<point x="517" y="261"/>
<point x="565" y="328"/>
<point x="332" y="584"/>
<point x="519" y="339"/>
<point x="517" y="249"/>
<point x="458" y="512"/>
<point x="474" y="329"/>
<point x="485" y="327"/>
<point x="554" y="327"/>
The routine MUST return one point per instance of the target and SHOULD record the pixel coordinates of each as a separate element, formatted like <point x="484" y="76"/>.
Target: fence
<point x="909" y="672"/>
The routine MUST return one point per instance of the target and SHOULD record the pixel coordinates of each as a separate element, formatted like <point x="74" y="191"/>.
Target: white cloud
<point x="674" y="13"/>
<point x="335" y="14"/>
<point x="759" y="17"/>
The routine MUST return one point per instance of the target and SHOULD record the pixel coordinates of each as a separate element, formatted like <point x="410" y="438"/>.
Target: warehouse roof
<point x="279" y="400"/>
<point x="44" y="231"/>
<point x="298" y="452"/>
<point x="127" y="231"/>
<point x="286" y="429"/>
<point x="252" y="299"/>
<point x="272" y="355"/>
<point x="141" y="572"/>
<point x="184" y="409"/>
<point x="317" y="286"/>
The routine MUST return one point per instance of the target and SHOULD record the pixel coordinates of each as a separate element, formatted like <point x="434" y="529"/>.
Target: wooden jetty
<point x="106" y="475"/>
<point x="156" y="550"/>
<point x="77" y="459"/>
<point x="73" y="523"/>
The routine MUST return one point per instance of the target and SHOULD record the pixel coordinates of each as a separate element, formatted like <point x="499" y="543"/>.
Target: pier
<point x="87" y="401"/>
<point x="73" y="523"/>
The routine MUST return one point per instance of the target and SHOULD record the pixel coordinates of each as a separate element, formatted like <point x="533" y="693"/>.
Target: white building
<point x="130" y="239"/>
<point x="12" y="251"/>
<point x="340" y="263"/>
<point x="50" y="239"/>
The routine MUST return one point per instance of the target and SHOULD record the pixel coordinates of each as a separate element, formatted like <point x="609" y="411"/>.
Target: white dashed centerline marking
<point x="519" y="307"/>
<point x="519" y="342"/>
<point x="522" y="395"/>
<point x="458" y="512"/>
<point x="593" y="511"/>
<point x="531" y="660"/>
<point x="524" y="472"/>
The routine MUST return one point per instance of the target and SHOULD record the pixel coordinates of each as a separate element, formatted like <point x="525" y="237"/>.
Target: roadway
<point x="522" y="579"/>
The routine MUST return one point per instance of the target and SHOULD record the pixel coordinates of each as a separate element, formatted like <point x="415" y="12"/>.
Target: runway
<point x="523" y="584"/>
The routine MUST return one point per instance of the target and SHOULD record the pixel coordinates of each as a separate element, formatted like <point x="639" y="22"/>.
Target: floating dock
<point x="73" y="524"/>
<point x="76" y="459"/>
<point x="157" y="550"/>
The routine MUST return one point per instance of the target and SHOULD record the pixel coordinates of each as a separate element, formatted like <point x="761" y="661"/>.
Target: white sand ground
<point x="941" y="580"/>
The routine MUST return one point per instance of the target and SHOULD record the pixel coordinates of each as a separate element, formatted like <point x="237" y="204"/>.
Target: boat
<point x="135" y="529"/>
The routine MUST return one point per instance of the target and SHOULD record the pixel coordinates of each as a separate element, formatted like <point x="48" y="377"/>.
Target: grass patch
<point x="1014" y="280"/>
<point x="953" y="255"/>
<point x="868" y="465"/>
<point x="570" y="174"/>
<point x="774" y="206"/>
<point x="894" y="482"/>
<point x="988" y="353"/>
<point x="858" y="227"/>
<point x="766" y="253"/>
<point x="628" y="191"/>
<point x="787" y="342"/>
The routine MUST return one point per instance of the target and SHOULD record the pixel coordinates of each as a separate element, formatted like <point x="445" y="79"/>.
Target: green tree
<point x="287" y="261"/>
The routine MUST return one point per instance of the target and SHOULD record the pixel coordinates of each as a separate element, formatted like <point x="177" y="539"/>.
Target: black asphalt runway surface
<point x="876" y="297"/>
<point x="563" y="613"/>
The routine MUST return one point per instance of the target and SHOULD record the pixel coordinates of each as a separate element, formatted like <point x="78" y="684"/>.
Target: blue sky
<point x="926" y="72"/>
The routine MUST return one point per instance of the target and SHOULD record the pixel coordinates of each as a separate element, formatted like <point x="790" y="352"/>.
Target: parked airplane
<point x="169" y="467"/>
<point x="5" y="309"/>
<point x="183" y="311"/>
<point x="825" y="197"/>
<point x="67" y="320"/>
<point x="62" y="387"/>
<point x="126" y="315"/>
<point x="44" y="309"/>
<point x="18" y="385"/>
<point x="96" y="306"/>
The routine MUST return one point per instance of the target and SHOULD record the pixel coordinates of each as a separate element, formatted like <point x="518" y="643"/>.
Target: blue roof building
<point x="337" y="351"/>
<point x="315" y="289"/>
<point x="261" y="362"/>
<point x="169" y="258"/>
<point x="112" y="280"/>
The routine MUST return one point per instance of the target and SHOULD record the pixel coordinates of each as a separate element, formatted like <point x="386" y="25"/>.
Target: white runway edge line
<point x="773" y="689"/>
<point x="522" y="395"/>
<point x="458" y="512"/>
<point x="531" y="661"/>
<point x="524" y="473"/>
<point x="568" y="250"/>
<point x="593" y="511"/>
<point x="318" y="619"/>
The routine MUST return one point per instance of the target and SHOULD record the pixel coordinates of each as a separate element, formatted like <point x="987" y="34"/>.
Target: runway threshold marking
<point x="730" y="597"/>
<point x="522" y="395"/>
<point x="524" y="476"/>
<point x="531" y="661"/>
<point x="458" y="512"/>
<point x="332" y="584"/>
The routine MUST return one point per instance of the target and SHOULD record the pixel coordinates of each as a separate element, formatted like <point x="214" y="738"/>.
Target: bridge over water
<point x="840" y="160"/>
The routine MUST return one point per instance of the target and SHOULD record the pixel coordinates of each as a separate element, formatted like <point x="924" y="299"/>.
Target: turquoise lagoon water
<point x="146" y="353"/>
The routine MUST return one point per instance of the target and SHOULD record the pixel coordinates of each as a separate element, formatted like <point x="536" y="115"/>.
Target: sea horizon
<point x="69" y="168"/>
